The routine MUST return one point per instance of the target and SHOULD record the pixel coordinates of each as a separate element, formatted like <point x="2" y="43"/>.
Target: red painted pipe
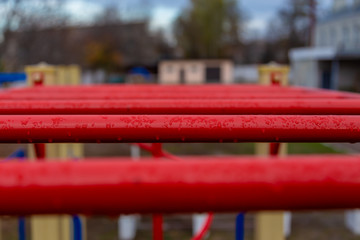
<point x="204" y="230"/>
<point x="157" y="88"/>
<point x="198" y="185"/>
<point x="177" y="89"/>
<point x="157" y="219"/>
<point x="178" y="128"/>
<point x="166" y="95"/>
<point x="40" y="151"/>
<point x="158" y="227"/>
<point x="153" y="88"/>
<point x="255" y="106"/>
<point x="274" y="149"/>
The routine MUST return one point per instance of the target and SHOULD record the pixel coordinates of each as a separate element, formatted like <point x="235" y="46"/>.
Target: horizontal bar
<point x="154" y="88"/>
<point x="229" y="107"/>
<point x="178" y="128"/>
<point x="98" y="95"/>
<point x="147" y="96"/>
<point x="198" y="185"/>
<point x="157" y="88"/>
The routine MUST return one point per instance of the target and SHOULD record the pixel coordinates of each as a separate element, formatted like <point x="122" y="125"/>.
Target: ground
<point x="328" y="225"/>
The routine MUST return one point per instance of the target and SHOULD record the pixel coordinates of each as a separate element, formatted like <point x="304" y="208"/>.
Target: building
<point x="196" y="71"/>
<point x="333" y="61"/>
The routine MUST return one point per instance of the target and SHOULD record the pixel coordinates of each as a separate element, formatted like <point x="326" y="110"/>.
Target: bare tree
<point x="291" y="28"/>
<point x="109" y="15"/>
<point x="22" y="19"/>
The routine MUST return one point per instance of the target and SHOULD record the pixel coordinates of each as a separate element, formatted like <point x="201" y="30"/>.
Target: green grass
<point x="209" y="148"/>
<point x="310" y="148"/>
<point x="241" y="148"/>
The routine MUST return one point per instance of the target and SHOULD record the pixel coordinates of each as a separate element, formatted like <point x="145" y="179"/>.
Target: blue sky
<point x="163" y="12"/>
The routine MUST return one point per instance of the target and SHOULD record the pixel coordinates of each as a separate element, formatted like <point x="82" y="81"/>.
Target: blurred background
<point x="191" y="42"/>
<point x="118" y="41"/>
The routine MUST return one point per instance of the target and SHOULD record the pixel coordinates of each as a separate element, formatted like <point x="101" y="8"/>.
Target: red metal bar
<point x="162" y="153"/>
<point x="157" y="88"/>
<point x="255" y="106"/>
<point x="205" y="228"/>
<point x="198" y="185"/>
<point x="157" y="227"/>
<point x="177" y="88"/>
<point x="274" y="149"/>
<point x="166" y="95"/>
<point x="40" y="151"/>
<point x="109" y="89"/>
<point x="159" y="93"/>
<point x="178" y="128"/>
<point x="156" y="151"/>
<point x="144" y="146"/>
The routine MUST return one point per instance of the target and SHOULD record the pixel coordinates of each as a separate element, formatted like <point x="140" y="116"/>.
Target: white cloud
<point x="162" y="17"/>
<point x="82" y="11"/>
<point x="257" y="24"/>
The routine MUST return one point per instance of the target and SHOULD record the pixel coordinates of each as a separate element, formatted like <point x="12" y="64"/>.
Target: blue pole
<point x="22" y="222"/>
<point x="239" y="229"/>
<point x="77" y="228"/>
<point x="22" y="228"/>
<point x="20" y="153"/>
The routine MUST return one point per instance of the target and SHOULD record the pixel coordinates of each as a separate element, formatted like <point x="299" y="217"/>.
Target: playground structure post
<point x="127" y="224"/>
<point x="57" y="227"/>
<point x="271" y="224"/>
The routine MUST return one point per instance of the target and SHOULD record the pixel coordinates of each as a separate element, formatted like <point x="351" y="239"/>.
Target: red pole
<point x="178" y="128"/>
<point x="156" y="151"/>
<point x="168" y="95"/>
<point x="209" y="89"/>
<point x="40" y="151"/>
<point x="254" y="106"/>
<point x="274" y="149"/>
<point x="156" y="88"/>
<point x="205" y="228"/>
<point x="208" y="184"/>
<point x="157" y="227"/>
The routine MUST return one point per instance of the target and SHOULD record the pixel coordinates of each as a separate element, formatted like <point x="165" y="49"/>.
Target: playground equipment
<point x="55" y="227"/>
<point x="99" y="114"/>
<point x="272" y="225"/>
<point x="6" y="78"/>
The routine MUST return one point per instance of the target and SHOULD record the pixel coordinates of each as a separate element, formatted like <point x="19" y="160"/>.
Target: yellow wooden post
<point x="279" y="72"/>
<point x="48" y="71"/>
<point x="70" y="75"/>
<point x="61" y="75"/>
<point x="54" y="227"/>
<point x="74" y="75"/>
<point x="270" y="224"/>
<point x="75" y="150"/>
